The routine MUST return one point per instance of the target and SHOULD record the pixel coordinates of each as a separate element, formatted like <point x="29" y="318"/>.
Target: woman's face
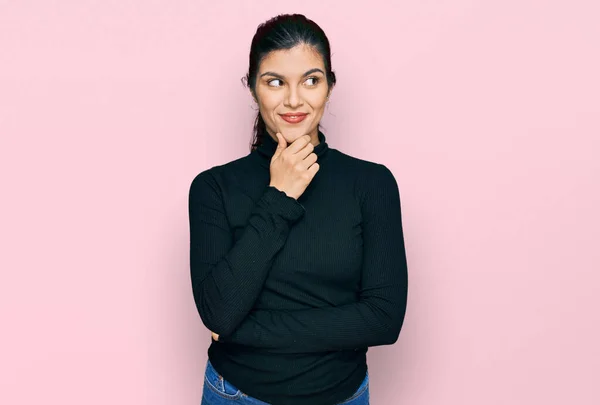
<point x="292" y="81"/>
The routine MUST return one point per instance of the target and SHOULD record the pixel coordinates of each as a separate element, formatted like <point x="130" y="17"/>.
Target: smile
<point x="294" y="119"/>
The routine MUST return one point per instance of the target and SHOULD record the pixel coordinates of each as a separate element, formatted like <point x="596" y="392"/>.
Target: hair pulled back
<point x="282" y="32"/>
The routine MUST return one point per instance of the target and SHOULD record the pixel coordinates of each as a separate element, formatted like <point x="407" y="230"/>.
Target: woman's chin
<point x="291" y="135"/>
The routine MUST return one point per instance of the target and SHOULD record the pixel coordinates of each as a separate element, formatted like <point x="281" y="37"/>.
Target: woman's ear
<point x="329" y="92"/>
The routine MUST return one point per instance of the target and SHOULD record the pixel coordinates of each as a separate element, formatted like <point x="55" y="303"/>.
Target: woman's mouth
<point x="293" y="118"/>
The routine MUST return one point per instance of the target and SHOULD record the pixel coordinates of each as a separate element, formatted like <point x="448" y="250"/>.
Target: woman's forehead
<point x="294" y="61"/>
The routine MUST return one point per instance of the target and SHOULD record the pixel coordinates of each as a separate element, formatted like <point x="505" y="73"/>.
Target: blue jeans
<point x="219" y="391"/>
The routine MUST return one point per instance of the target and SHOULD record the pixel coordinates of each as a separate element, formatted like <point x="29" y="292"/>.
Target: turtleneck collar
<point x="266" y="149"/>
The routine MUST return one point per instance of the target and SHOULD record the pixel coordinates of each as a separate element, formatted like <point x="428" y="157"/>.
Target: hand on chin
<point x="291" y="135"/>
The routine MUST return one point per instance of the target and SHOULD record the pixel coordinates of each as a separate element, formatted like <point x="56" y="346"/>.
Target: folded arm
<point x="376" y="318"/>
<point x="227" y="277"/>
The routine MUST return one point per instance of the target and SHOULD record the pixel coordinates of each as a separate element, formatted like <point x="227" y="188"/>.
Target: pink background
<point x="487" y="112"/>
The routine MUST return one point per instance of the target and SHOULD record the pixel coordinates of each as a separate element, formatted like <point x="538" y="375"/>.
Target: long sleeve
<point x="376" y="318"/>
<point x="227" y="276"/>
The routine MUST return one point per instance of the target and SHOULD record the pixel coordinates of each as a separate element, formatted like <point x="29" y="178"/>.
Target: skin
<point x="283" y="85"/>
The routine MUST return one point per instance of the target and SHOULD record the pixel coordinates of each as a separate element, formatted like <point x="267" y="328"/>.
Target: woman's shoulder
<point x="368" y="175"/>
<point x="215" y="175"/>
<point x="358" y="165"/>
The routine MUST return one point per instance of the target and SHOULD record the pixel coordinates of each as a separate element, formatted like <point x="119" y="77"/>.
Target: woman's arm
<point x="377" y="317"/>
<point x="227" y="277"/>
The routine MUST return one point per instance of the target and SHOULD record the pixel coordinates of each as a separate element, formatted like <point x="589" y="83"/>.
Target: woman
<point x="297" y="252"/>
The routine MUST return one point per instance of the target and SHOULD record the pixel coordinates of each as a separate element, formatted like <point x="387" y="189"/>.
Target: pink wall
<point x="487" y="112"/>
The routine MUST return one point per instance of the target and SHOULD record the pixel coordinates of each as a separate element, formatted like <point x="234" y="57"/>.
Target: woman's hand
<point x="293" y="167"/>
<point x="215" y="336"/>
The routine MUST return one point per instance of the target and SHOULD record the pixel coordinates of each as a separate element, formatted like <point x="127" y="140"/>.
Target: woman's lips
<point x="293" y="119"/>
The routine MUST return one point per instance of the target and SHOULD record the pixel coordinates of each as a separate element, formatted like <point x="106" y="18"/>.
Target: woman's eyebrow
<point x="281" y="77"/>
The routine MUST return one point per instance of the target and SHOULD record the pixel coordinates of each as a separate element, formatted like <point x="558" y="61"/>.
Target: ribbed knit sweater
<point x="297" y="289"/>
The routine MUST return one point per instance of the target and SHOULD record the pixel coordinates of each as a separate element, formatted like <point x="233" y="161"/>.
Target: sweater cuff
<point x="279" y="202"/>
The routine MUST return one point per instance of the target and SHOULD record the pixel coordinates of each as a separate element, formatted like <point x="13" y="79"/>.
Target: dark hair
<point x="284" y="31"/>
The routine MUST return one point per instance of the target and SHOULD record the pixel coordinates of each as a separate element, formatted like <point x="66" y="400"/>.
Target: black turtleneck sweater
<point x="297" y="289"/>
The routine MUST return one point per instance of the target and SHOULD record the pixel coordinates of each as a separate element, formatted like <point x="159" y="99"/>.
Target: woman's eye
<point x="314" y="83"/>
<point x="316" y="80"/>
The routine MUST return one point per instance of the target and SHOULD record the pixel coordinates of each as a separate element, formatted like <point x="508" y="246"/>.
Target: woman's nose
<point x="293" y="98"/>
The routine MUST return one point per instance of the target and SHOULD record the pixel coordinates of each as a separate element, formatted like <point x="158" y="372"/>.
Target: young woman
<point x="297" y="255"/>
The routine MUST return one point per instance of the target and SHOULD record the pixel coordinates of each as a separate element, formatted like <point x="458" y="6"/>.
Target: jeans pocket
<point x="220" y="386"/>
<point x="362" y="390"/>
